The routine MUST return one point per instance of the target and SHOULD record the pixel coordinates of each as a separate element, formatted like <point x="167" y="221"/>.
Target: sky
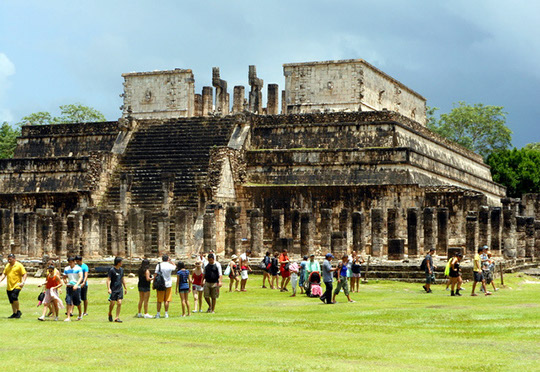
<point x="483" y="51"/>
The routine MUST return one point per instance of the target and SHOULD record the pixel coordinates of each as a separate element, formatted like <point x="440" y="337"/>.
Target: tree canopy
<point x="480" y="128"/>
<point x="72" y="113"/>
<point x="8" y="140"/>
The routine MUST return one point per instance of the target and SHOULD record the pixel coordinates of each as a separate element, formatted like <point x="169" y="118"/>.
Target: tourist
<point x="145" y="278"/>
<point x="16" y="278"/>
<point x="165" y="268"/>
<point x="294" y="269"/>
<point x="197" y="276"/>
<point x="183" y="287"/>
<point x="212" y="283"/>
<point x="233" y="273"/>
<point x="52" y="283"/>
<point x="489" y="273"/>
<point x="327" y="278"/>
<point x="429" y="270"/>
<point x="477" y="272"/>
<point x="311" y="266"/>
<point x="356" y="262"/>
<point x="455" y="274"/>
<point x="342" y="282"/>
<point x="84" y="284"/>
<point x="73" y="278"/>
<point x="245" y="268"/>
<point x="284" y="270"/>
<point x="115" y="282"/>
<point x="203" y="259"/>
<point x="301" y="272"/>
<point x="266" y="269"/>
<point x="274" y="270"/>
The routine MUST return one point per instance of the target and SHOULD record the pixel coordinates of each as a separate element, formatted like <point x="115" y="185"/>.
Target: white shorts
<point x="198" y="288"/>
<point x="244" y="274"/>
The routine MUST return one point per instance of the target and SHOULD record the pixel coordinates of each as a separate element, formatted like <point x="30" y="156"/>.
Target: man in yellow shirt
<point x="16" y="277"/>
<point x="477" y="272"/>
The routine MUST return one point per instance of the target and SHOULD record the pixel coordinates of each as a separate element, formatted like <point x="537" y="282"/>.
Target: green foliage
<point x="8" y="140"/>
<point x="533" y="146"/>
<point x="72" y="113"/>
<point x="480" y="128"/>
<point x="518" y="170"/>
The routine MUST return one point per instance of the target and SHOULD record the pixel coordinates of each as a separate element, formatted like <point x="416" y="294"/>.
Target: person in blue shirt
<point x="183" y="286"/>
<point x="342" y="282"/>
<point x="84" y="284"/>
<point x="301" y="274"/>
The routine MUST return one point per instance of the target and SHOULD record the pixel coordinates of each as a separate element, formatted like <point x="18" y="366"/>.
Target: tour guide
<point x="16" y="277"/>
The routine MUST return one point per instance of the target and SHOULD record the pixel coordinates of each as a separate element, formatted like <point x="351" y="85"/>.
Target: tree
<point x="480" y="128"/>
<point x="72" y="113"/>
<point x="533" y="146"/>
<point x="8" y="140"/>
<point x="518" y="170"/>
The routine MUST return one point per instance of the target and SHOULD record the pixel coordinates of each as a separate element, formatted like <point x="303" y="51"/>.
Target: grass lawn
<point x="392" y="326"/>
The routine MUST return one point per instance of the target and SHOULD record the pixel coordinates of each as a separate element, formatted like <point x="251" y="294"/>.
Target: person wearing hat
<point x="327" y="278"/>
<point x="233" y="273"/>
<point x="52" y="283"/>
<point x="197" y="285"/>
<point x="16" y="277"/>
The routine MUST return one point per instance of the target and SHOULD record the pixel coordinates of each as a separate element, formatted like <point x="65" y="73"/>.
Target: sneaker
<point x="282" y="290"/>
<point x="56" y="319"/>
<point x="166" y="315"/>
<point x="352" y="301"/>
<point x="430" y="291"/>
<point x="41" y="318"/>
<point x="79" y="318"/>
<point x="110" y="318"/>
<point x="147" y="316"/>
<point x="139" y="315"/>
<point x="488" y="293"/>
<point x="117" y="320"/>
<point x="12" y="316"/>
<point x="85" y="314"/>
<point x="17" y="315"/>
<point x="158" y="315"/>
<point x="425" y="289"/>
<point x="447" y="288"/>
<point x="474" y="294"/>
<point x="459" y="294"/>
<point x="496" y="289"/>
<point x="200" y="311"/>
<point x="452" y="294"/>
<point x="67" y="320"/>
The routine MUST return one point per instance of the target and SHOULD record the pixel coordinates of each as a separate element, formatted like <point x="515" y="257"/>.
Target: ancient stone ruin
<point x="344" y="162"/>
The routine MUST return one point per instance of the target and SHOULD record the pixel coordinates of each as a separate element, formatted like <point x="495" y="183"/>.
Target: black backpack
<point x="423" y="265"/>
<point x="159" y="280"/>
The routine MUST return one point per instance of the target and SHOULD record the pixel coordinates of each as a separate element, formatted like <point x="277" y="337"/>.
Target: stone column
<point x="257" y="232"/>
<point x="62" y="229"/>
<point x="377" y="225"/>
<point x="345" y="226"/>
<point x="495" y="219"/>
<point x="18" y="219"/>
<point x="396" y="249"/>
<point x="483" y="226"/>
<point x="442" y="230"/>
<point x="306" y="233"/>
<point x="520" y="236"/>
<point x="238" y="99"/>
<point x="163" y="233"/>
<point x="135" y="236"/>
<point x="339" y="244"/>
<point x="412" y="232"/>
<point x="295" y="224"/>
<point x="233" y="238"/>
<point x="278" y="223"/>
<point x="24" y="234"/>
<point x="471" y="231"/>
<point x="198" y="105"/>
<point x="148" y="221"/>
<point x="392" y="222"/>
<point x="283" y="102"/>
<point x="46" y="230"/>
<point x="509" y="233"/>
<point x="325" y="229"/>
<point x="255" y="96"/>
<point x="537" y="238"/>
<point x="209" y="232"/>
<point x="86" y="250"/>
<point x="358" y="231"/>
<point x="529" y="237"/>
<point x="429" y="229"/>
<point x="70" y="242"/>
<point x="222" y="101"/>
<point x="180" y="223"/>
<point x="125" y="191"/>
<point x="105" y="234"/>
<point x="273" y="99"/>
<point x="115" y="235"/>
<point x="207" y="100"/>
<point x="6" y="228"/>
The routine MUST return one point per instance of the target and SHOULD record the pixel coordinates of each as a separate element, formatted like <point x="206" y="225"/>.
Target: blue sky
<point x="483" y="51"/>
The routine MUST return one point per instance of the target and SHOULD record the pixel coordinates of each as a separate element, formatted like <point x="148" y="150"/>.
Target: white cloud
<point x="7" y="68"/>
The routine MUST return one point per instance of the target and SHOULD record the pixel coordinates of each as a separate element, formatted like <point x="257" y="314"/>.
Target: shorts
<point x="244" y="274"/>
<point x="211" y="290"/>
<point x="183" y="290"/>
<point x="488" y="275"/>
<point x="285" y="273"/>
<point x="13" y="295"/>
<point x="84" y="293"/>
<point x="143" y="289"/>
<point x="430" y="278"/>
<point x="356" y="275"/>
<point x="454" y="274"/>
<point x="164" y="296"/>
<point x="116" y="295"/>
<point x="198" y="288"/>
<point x="73" y="297"/>
<point x="478" y="277"/>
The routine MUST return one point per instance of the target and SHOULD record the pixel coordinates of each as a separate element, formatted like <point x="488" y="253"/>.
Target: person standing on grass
<point x="455" y="274"/>
<point x="115" y="282"/>
<point x="266" y="270"/>
<point x="294" y="269"/>
<point x="274" y="270"/>
<point x="84" y="284"/>
<point x="197" y="278"/>
<point x="430" y="270"/>
<point x="356" y="262"/>
<point x="73" y="278"/>
<point x="301" y="271"/>
<point x="284" y="270"/>
<point x="166" y="267"/>
<point x="342" y="282"/>
<point x="212" y="283"/>
<point x="183" y="287"/>
<point x="327" y="278"/>
<point x="144" y="288"/>
<point x="489" y="273"/>
<point x="477" y="272"/>
<point x="52" y="283"/>
<point x="311" y="266"/>
<point x="245" y="268"/>
<point x="16" y="278"/>
<point x="233" y="273"/>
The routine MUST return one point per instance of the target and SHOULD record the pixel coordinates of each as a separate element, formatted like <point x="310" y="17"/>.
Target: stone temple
<point x="340" y="159"/>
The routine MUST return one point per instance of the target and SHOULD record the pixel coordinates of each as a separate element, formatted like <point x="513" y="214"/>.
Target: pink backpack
<point x="316" y="290"/>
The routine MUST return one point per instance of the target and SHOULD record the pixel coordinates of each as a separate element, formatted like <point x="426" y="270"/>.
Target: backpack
<point x="159" y="280"/>
<point x="263" y="265"/>
<point x="447" y="268"/>
<point x="423" y="265"/>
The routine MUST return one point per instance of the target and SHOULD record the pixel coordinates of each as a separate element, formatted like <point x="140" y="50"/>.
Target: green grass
<point x="392" y="326"/>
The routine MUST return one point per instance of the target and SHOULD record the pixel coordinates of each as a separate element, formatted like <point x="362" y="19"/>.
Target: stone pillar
<point x="520" y="236"/>
<point x="283" y="102"/>
<point x="483" y="226"/>
<point x="396" y="249"/>
<point x="7" y="231"/>
<point x="339" y="244"/>
<point x="255" y="96"/>
<point x="295" y="224"/>
<point x="61" y="236"/>
<point x="125" y="191"/>
<point x="105" y="234"/>
<point x="325" y="229"/>
<point x="86" y="250"/>
<point x="46" y="230"/>
<point x="207" y="98"/>
<point x="471" y="231"/>
<point x="233" y="237"/>
<point x="71" y="239"/>
<point x="345" y="226"/>
<point x="18" y="219"/>
<point x="529" y="237"/>
<point x="358" y="231"/>
<point x="198" y="103"/>
<point x="278" y="222"/>
<point x="148" y="221"/>
<point x="257" y="232"/>
<point x="180" y="223"/>
<point x="209" y="231"/>
<point x="377" y="225"/>
<point x="273" y="99"/>
<point x="442" y="230"/>
<point x="94" y="240"/>
<point x="412" y="232"/>
<point x="495" y="220"/>
<point x="537" y="238"/>
<point x="238" y="99"/>
<point x="163" y="233"/>
<point x="306" y="233"/>
<point x="392" y="222"/>
<point x="429" y="229"/>
<point x="135" y="236"/>
<point x="509" y="233"/>
<point x="222" y="101"/>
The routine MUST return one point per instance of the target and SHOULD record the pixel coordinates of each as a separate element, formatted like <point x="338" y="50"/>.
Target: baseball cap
<point x="329" y="255"/>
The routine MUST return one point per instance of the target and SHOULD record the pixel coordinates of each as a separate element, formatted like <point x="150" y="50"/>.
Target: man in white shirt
<point x="166" y="267"/>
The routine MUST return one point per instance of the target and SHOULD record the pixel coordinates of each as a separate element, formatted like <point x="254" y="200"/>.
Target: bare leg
<point x="145" y="301"/>
<point x="118" y="307"/>
<point x="166" y="306"/>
